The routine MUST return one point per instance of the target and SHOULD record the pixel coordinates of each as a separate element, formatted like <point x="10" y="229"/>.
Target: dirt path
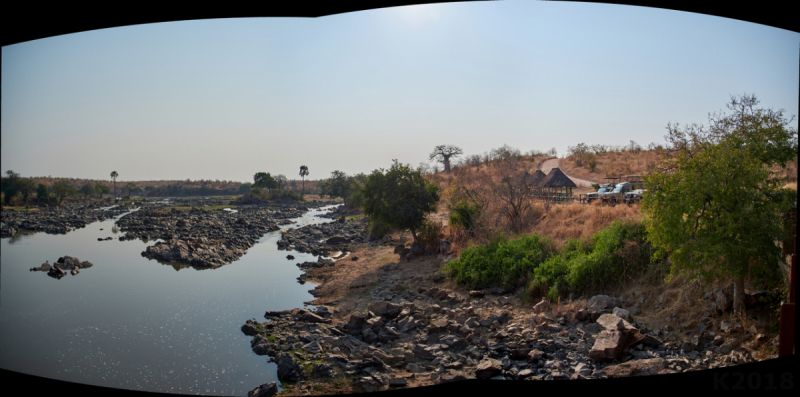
<point x="548" y="165"/>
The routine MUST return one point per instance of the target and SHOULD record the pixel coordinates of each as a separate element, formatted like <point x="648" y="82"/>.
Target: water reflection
<point x="20" y="235"/>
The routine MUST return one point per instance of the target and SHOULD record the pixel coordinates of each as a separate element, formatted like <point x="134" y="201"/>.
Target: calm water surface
<point x="135" y="323"/>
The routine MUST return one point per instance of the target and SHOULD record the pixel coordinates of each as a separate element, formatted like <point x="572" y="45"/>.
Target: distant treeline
<point x="21" y="190"/>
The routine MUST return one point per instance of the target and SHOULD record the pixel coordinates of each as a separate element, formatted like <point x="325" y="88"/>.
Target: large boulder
<point x="289" y="368"/>
<point x="265" y="390"/>
<point x="600" y="304"/>
<point x="385" y="309"/>
<point x="488" y="368"/>
<point x="356" y="323"/>
<point x="612" y="343"/>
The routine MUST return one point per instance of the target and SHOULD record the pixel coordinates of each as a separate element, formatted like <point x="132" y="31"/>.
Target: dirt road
<point x="548" y="165"/>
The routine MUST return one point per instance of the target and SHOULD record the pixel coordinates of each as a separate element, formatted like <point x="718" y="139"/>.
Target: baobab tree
<point x="303" y="173"/>
<point x="443" y="153"/>
<point x="114" y="176"/>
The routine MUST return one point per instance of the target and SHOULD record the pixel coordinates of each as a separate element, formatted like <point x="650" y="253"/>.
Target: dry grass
<point x="611" y="164"/>
<point x="571" y="221"/>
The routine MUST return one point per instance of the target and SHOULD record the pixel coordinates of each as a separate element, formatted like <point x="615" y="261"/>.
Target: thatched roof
<point x="534" y="179"/>
<point x="556" y="178"/>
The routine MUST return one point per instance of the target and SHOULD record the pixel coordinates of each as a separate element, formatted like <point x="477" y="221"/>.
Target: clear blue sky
<point x="226" y="98"/>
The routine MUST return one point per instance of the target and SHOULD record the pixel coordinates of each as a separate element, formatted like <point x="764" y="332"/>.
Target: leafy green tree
<point x="244" y="188"/>
<point x="100" y="189"/>
<point x="10" y="185"/>
<point x="339" y="185"/>
<point x="41" y="193"/>
<point x="303" y="174"/>
<point x="399" y="197"/>
<point x="131" y="187"/>
<point x="264" y="180"/>
<point x="63" y="189"/>
<point x="114" y="176"/>
<point x="714" y="205"/>
<point x="87" y="190"/>
<point x="149" y="189"/>
<point x="26" y="186"/>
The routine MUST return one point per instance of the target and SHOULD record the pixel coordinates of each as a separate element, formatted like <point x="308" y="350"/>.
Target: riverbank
<point x="384" y="323"/>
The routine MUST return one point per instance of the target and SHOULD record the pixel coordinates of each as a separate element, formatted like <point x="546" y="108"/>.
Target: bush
<point x="430" y="235"/>
<point x="378" y="229"/>
<point x="464" y="215"/>
<point x="500" y="261"/>
<point x="613" y="256"/>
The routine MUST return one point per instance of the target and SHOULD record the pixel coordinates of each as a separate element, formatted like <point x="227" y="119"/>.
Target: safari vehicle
<point x="634" y="196"/>
<point x="606" y="187"/>
<point x="617" y="195"/>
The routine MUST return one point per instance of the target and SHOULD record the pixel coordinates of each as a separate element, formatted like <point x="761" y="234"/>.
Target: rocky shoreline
<point x="415" y="333"/>
<point x="55" y="220"/>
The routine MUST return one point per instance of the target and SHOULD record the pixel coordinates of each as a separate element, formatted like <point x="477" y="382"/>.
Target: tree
<point x="280" y="179"/>
<point x="339" y="185"/>
<point x="41" y="193"/>
<point x="149" y="189"/>
<point x="513" y="191"/>
<point x="114" y="176"/>
<point x="244" y="188"/>
<point x="443" y="154"/>
<point x="131" y="187"/>
<point x="87" y="190"/>
<point x="100" y="189"/>
<point x="714" y="205"/>
<point x="264" y="180"/>
<point x="63" y="189"/>
<point x="303" y="173"/>
<point x="26" y="186"/>
<point x="10" y="185"/>
<point x="399" y="197"/>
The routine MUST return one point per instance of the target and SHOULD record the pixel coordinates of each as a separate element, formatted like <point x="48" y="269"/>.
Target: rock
<point x="397" y="382"/>
<point x="503" y="300"/>
<point x="535" y="355"/>
<point x="488" y="368"/>
<point x="476" y="294"/>
<point x="336" y="240"/>
<point x="385" y="309"/>
<point x="289" y="368"/>
<point x="265" y="390"/>
<point x="600" y="304"/>
<point x="323" y="371"/>
<point x="423" y="352"/>
<point x="313" y="318"/>
<point x="289" y="257"/>
<point x="369" y="384"/>
<point x="621" y="313"/>
<point x="541" y="307"/>
<point x="249" y="328"/>
<point x="650" y="366"/>
<point x="607" y="346"/>
<point x="356" y="323"/>
<point x="582" y="315"/>
<point x="398" y="249"/>
<point x="451" y="376"/>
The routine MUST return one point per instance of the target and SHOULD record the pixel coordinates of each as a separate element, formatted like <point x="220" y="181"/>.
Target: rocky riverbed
<point x="415" y="332"/>
<point x="205" y="238"/>
<point x="64" y="265"/>
<point x="55" y="220"/>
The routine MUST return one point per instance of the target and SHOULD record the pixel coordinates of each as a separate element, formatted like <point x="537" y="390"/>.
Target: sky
<point x="226" y="98"/>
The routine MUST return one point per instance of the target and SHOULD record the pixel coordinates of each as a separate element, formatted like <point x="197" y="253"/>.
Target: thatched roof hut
<point x="533" y="180"/>
<point x="557" y="184"/>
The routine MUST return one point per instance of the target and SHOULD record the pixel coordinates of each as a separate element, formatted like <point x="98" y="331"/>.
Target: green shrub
<point x="611" y="257"/>
<point x="378" y="229"/>
<point x="500" y="261"/>
<point x="464" y="214"/>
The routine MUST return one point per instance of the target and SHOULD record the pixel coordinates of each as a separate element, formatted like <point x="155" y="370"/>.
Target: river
<point x="134" y="323"/>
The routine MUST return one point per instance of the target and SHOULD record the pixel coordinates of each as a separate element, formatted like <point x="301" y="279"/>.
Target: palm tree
<point x="114" y="176"/>
<point x="303" y="173"/>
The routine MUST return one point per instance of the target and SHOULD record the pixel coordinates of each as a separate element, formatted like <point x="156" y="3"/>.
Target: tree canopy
<point x="399" y="197"/>
<point x="63" y="189"/>
<point x="303" y="174"/>
<point x="714" y="204"/>
<point x="264" y="180"/>
<point x="443" y="153"/>
<point x="338" y="185"/>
